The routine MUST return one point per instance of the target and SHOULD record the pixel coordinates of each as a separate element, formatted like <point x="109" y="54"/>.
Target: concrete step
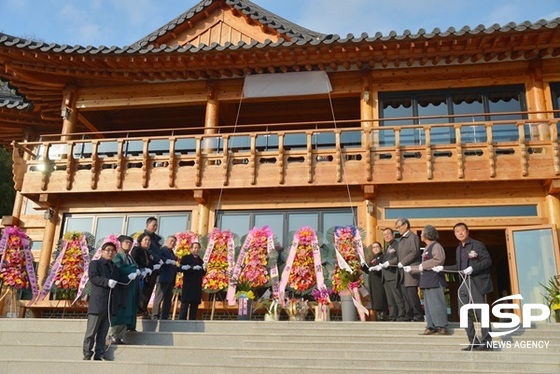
<point x="47" y="345"/>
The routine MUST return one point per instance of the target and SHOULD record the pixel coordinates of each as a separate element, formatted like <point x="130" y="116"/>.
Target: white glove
<point x="148" y="271"/>
<point x="468" y="270"/>
<point x="132" y="276"/>
<point x="385" y="265"/>
<point x="157" y="266"/>
<point x="363" y="264"/>
<point x="185" y="267"/>
<point x="197" y="267"/>
<point x="112" y="283"/>
<point x="371" y="269"/>
<point x="420" y="268"/>
<point x="170" y="262"/>
<point x="400" y="265"/>
<point x="160" y="262"/>
<point x="138" y="272"/>
<point x="407" y="269"/>
<point x="377" y="268"/>
<point x="437" y="269"/>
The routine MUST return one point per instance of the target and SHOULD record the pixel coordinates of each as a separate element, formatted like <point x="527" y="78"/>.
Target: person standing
<point x="103" y="276"/>
<point x="193" y="271"/>
<point x="408" y="253"/>
<point x="433" y="284"/>
<point x="165" y="280"/>
<point x="473" y="261"/>
<point x="376" y="290"/>
<point x="154" y="256"/>
<point x="127" y="295"/>
<point x="142" y="259"/>
<point x="390" y="277"/>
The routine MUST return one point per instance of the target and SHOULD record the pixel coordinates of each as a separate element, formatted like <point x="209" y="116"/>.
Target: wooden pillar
<point x="68" y="112"/>
<point x="536" y="101"/>
<point x="371" y="213"/>
<point x="212" y="117"/>
<point x="201" y="224"/>
<point x="47" y="247"/>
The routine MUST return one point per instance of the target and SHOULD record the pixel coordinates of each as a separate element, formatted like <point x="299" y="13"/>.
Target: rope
<point x="342" y="162"/>
<point x="109" y="341"/>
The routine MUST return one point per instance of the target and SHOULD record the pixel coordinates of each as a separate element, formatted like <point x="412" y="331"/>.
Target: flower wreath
<point x="219" y="260"/>
<point x="183" y="248"/>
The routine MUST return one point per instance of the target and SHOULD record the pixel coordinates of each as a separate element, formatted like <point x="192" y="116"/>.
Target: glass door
<point x="534" y="258"/>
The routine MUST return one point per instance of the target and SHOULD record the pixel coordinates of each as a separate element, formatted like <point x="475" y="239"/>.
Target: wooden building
<point x="231" y="116"/>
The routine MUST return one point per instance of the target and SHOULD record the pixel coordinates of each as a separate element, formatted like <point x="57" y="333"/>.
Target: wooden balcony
<point x="483" y="151"/>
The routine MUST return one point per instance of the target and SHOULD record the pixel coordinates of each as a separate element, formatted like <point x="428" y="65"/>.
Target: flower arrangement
<point x="473" y="254"/>
<point x="254" y="274"/>
<point x="244" y="292"/>
<point x="218" y="257"/>
<point x="302" y="275"/>
<point x="69" y="273"/>
<point x="183" y="248"/>
<point x="349" y="274"/>
<point x="13" y="267"/>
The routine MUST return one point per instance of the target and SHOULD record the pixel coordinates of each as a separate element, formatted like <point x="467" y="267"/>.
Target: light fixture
<point x="366" y="96"/>
<point x="49" y="214"/>
<point x="370" y="207"/>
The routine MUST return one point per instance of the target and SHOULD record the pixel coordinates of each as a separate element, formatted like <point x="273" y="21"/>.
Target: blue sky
<point x="122" y="22"/>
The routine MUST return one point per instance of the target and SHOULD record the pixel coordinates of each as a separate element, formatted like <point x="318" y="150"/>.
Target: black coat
<point x="100" y="271"/>
<point x="481" y="263"/>
<point x="390" y="274"/>
<point x="192" y="279"/>
<point x="376" y="289"/>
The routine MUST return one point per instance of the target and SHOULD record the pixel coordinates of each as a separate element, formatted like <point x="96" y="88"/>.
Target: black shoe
<point x="87" y="357"/>
<point x="101" y="358"/>
<point x="403" y="319"/>
<point x="467" y="348"/>
<point x="482" y="347"/>
<point x="418" y="319"/>
<point x="117" y="341"/>
<point x="428" y="331"/>
<point x="471" y="347"/>
<point x="131" y="330"/>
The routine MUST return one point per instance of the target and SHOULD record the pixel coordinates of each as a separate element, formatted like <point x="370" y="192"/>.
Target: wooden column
<point x="201" y="224"/>
<point x="212" y="117"/>
<point x="68" y="111"/>
<point x="536" y="100"/>
<point x="46" y="249"/>
<point x="370" y="203"/>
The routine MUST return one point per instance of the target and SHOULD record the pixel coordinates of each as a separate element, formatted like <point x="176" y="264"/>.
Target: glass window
<point x="267" y="142"/>
<point x="107" y="226"/>
<point x="237" y="223"/>
<point x="323" y="140"/>
<point x="170" y="225"/>
<point x="463" y="212"/>
<point x="185" y="146"/>
<point x="295" y="141"/>
<point x="240" y="143"/>
<point x="31" y="208"/>
<point x="351" y="139"/>
<point x="440" y="106"/>
<point x="136" y="224"/>
<point x="273" y="220"/>
<point x="158" y="147"/>
<point x="282" y="222"/>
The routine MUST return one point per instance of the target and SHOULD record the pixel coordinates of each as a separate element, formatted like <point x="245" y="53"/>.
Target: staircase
<point x="29" y="345"/>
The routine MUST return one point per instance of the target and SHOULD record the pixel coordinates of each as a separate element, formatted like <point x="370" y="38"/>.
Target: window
<point x="100" y="226"/>
<point x="463" y="212"/>
<point x="468" y="105"/>
<point x="284" y="222"/>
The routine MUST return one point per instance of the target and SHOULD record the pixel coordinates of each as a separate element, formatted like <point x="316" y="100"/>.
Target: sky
<point x="123" y="22"/>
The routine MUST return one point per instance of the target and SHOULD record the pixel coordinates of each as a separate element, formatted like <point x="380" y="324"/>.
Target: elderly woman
<point x="432" y="283"/>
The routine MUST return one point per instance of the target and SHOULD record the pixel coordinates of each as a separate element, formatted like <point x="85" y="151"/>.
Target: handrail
<point x="316" y="124"/>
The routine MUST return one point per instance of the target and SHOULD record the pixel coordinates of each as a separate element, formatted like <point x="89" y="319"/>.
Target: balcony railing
<point x="481" y="151"/>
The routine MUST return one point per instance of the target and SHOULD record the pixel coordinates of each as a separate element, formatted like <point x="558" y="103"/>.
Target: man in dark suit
<point x="193" y="270"/>
<point x="165" y="280"/>
<point x="389" y="275"/>
<point x="472" y="260"/>
<point x="408" y="252"/>
<point x="103" y="276"/>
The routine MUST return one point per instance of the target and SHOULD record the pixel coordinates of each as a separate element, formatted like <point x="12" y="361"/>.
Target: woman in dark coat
<point x="193" y="271"/>
<point x="376" y="289"/>
<point x="144" y="263"/>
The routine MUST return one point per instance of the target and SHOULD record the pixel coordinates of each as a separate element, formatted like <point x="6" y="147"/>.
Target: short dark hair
<point x="387" y="228"/>
<point x="193" y="243"/>
<point x="150" y="219"/>
<point x="142" y="236"/>
<point x="108" y="244"/>
<point x="461" y="224"/>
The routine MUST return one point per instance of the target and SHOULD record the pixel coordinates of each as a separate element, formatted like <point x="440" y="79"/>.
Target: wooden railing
<point x="474" y="151"/>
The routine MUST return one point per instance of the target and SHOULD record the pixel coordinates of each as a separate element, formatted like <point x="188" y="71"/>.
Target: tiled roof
<point x="321" y="39"/>
<point x="263" y="16"/>
<point x="10" y="101"/>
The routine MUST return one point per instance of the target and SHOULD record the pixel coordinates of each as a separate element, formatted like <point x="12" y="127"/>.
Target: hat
<point x="122" y="238"/>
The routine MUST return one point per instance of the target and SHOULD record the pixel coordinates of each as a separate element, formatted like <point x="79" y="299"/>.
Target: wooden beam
<point x="200" y="196"/>
<point x="554" y="187"/>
